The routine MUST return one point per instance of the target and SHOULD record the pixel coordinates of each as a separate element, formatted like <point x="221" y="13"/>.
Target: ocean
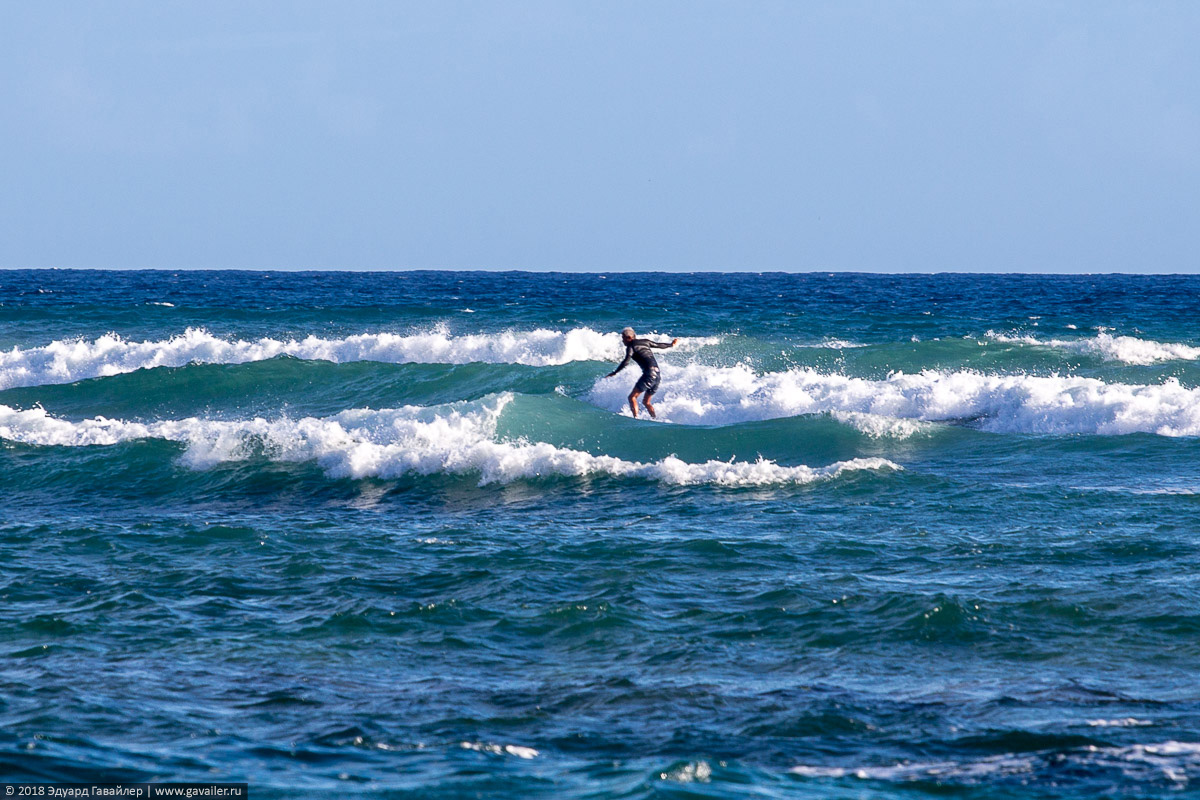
<point x="394" y="535"/>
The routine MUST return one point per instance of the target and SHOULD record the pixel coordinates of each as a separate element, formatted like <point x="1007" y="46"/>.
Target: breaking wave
<point x="389" y="443"/>
<point x="704" y="395"/>
<point x="1125" y="349"/>
<point x="66" y="361"/>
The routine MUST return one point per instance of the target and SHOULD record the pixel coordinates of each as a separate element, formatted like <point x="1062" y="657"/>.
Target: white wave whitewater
<point x="1125" y="349"/>
<point x="458" y="439"/>
<point x="1170" y="763"/>
<point x="703" y="395"/>
<point x="67" y="361"/>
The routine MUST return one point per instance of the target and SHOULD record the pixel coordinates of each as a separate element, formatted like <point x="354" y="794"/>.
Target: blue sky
<point x="880" y="136"/>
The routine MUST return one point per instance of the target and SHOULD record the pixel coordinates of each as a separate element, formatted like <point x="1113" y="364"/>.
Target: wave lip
<point x="67" y="361"/>
<point x="390" y="443"/>
<point x="1125" y="349"/>
<point x="1020" y="403"/>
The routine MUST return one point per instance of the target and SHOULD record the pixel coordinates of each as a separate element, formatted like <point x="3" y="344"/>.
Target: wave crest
<point x="389" y="443"/>
<point x="703" y="395"/>
<point x="1125" y="349"/>
<point x="66" y="361"/>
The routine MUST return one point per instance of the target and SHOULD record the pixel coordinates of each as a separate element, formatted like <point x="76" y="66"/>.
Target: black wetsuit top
<point x="639" y="351"/>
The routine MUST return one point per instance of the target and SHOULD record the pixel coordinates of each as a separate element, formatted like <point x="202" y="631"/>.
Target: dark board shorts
<point x="648" y="383"/>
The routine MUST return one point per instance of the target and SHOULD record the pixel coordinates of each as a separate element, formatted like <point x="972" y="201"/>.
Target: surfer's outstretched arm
<point x="623" y="364"/>
<point x="662" y="345"/>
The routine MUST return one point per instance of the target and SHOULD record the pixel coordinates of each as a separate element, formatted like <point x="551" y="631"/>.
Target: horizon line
<point x="629" y="271"/>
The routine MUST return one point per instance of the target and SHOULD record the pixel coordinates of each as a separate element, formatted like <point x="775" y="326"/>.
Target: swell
<point x="295" y="385"/>
<point x="458" y="440"/>
<point x="66" y="361"/>
<point x="898" y="406"/>
<point x="549" y="406"/>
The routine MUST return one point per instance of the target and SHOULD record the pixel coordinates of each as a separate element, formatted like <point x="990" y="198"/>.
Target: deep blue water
<point x="394" y="535"/>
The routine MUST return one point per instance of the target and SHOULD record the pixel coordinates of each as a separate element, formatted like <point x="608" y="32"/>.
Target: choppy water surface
<point x="393" y="535"/>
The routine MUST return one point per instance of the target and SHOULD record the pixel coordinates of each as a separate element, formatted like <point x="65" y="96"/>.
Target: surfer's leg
<point x="633" y="397"/>
<point x="649" y="383"/>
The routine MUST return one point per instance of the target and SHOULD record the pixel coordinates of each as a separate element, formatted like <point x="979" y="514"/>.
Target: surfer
<point x="639" y="351"/>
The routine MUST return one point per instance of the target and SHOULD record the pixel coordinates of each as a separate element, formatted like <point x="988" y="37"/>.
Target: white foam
<point x="393" y="442"/>
<point x="67" y="361"/>
<point x="1170" y="761"/>
<point x="520" y="751"/>
<point x="878" y="426"/>
<point x="1125" y="349"/>
<point x="691" y="772"/>
<point x="703" y="395"/>
<point x="832" y="344"/>
<point x="987" y="767"/>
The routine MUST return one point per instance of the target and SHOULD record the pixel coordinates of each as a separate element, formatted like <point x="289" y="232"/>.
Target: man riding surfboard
<point x="639" y="351"/>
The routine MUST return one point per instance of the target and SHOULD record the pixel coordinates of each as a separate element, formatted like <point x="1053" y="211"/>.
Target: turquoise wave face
<point x="339" y="534"/>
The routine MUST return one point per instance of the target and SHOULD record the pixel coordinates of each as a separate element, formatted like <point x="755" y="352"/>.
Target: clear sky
<point x="883" y="136"/>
